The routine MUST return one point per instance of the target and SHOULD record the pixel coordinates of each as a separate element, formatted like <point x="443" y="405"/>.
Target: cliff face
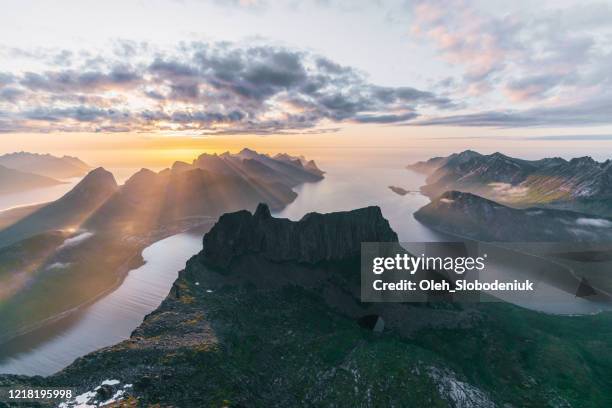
<point x="316" y="237"/>
<point x="474" y="217"/>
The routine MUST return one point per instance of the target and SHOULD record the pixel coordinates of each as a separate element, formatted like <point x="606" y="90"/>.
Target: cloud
<point x="543" y="55"/>
<point x="594" y="112"/>
<point x="594" y="222"/>
<point x="118" y="77"/>
<point x="204" y="88"/>
<point x="571" y="137"/>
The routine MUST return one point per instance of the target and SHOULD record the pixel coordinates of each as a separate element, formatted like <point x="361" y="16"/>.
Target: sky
<point x="157" y="80"/>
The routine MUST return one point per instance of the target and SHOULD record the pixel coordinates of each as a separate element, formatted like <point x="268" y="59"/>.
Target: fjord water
<point x="347" y="185"/>
<point x="107" y="321"/>
<point x="37" y="195"/>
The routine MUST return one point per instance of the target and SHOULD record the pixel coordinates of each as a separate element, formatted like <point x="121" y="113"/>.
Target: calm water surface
<point x="112" y="318"/>
<point x="107" y="321"/>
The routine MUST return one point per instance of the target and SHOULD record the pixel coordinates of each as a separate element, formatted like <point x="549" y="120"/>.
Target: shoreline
<point x="123" y="271"/>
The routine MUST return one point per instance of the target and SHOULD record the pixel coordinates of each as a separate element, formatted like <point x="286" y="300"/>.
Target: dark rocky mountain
<point x="244" y="326"/>
<point x="69" y="211"/>
<point x="580" y="184"/>
<point x="315" y="238"/>
<point x="470" y="216"/>
<point x="45" y="164"/>
<point x="15" y="181"/>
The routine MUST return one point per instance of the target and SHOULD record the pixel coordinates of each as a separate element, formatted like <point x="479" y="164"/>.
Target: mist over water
<point x="48" y="194"/>
<point x="354" y="179"/>
<point x="36" y="196"/>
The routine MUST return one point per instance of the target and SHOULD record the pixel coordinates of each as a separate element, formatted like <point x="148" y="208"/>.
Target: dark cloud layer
<point x="207" y="88"/>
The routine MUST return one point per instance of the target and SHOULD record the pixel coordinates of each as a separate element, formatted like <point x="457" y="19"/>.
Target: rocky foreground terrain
<point x="268" y="315"/>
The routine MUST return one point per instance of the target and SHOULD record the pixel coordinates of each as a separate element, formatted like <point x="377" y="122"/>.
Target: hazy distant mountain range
<point x="45" y="164"/>
<point x="581" y="184"/>
<point x="110" y="224"/>
<point x="26" y="171"/>
<point x="13" y="181"/>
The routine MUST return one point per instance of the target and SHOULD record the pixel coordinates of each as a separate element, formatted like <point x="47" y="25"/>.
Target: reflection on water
<point x="109" y="320"/>
<point x="346" y="188"/>
<point x="115" y="316"/>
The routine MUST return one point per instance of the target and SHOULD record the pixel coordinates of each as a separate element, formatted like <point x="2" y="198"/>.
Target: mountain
<point x="209" y="186"/>
<point x="14" y="181"/>
<point x="282" y="168"/>
<point x="470" y="216"/>
<point x="148" y="200"/>
<point x="580" y="184"/>
<point x="69" y="211"/>
<point x="11" y="216"/>
<point x="434" y="163"/>
<point x="107" y="226"/>
<point x="311" y="240"/>
<point x="45" y="164"/>
<point x="245" y="325"/>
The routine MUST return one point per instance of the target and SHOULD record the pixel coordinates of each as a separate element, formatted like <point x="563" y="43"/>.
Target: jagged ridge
<point x="316" y="237"/>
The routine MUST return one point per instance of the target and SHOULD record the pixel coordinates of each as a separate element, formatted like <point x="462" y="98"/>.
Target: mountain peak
<point x="246" y="150"/>
<point x="315" y="238"/>
<point x="247" y="153"/>
<point x="581" y="161"/>
<point x="45" y="164"/>
<point x="99" y="177"/>
<point x="262" y="212"/>
<point x="142" y="176"/>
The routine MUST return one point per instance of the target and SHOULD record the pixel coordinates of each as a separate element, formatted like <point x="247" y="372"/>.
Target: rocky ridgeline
<point x="580" y="184"/>
<point x="474" y="217"/>
<point x="316" y="237"/>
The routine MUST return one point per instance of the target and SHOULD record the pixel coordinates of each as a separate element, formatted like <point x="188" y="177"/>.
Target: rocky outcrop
<point x="314" y="238"/>
<point x="468" y="215"/>
<point x="399" y="190"/>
